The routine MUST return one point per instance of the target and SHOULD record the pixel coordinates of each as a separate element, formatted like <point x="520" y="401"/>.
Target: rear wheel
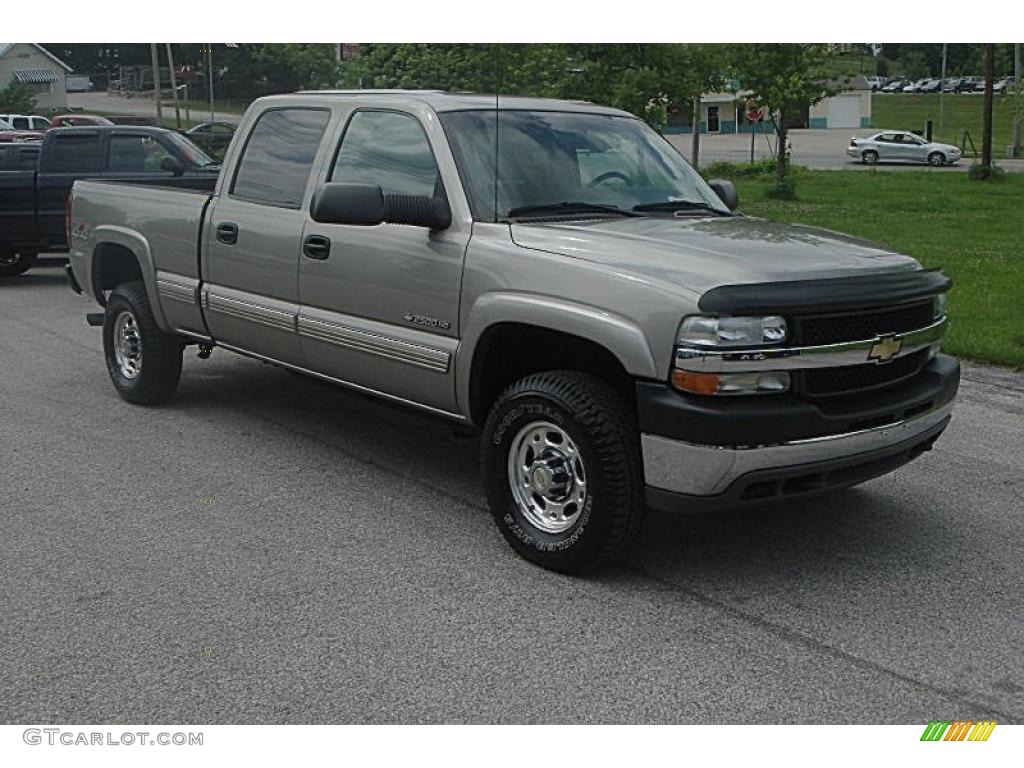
<point x="144" y="363"/>
<point x="16" y="263"/>
<point x="936" y="159"/>
<point x="870" y="157"/>
<point x="562" y="470"/>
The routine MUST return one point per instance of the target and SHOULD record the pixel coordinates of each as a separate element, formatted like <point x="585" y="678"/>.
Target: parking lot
<point x="269" y="549"/>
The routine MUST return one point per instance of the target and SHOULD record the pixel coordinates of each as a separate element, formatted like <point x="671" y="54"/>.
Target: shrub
<point x="979" y="172"/>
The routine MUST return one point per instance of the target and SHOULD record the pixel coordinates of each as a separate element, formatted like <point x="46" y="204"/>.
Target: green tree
<point x="18" y="99"/>
<point x="784" y="78"/>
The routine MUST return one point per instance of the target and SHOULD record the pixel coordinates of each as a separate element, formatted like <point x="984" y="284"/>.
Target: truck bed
<point x="162" y="221"/>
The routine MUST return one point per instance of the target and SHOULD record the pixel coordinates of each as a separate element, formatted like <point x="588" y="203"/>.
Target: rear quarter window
<point x="278" y="157"/>
<point x="75" y="153"/>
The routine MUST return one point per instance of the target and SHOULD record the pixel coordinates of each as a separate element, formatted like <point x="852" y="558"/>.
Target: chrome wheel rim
<point x="547" y="477"/>
<point x="127" y="345"/>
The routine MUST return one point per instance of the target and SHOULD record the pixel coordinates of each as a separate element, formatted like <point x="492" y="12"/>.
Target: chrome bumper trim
<point x="795" y="358"/>
<point x="707" y="470"/>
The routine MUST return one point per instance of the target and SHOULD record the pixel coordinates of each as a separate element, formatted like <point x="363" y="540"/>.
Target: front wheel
<point x="144" y="363"/>
<point x="936" y="159"/>
<point x="562" y="470"/>
<point x="870" y="157"/>
<point x="12" y="264"/>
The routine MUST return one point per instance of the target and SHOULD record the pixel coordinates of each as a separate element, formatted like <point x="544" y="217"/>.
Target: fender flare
<point x="131" y="240"/>
<point x="620" y="336"/>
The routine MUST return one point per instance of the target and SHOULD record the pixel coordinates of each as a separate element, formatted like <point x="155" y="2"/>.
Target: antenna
<point x="497" y="113"/>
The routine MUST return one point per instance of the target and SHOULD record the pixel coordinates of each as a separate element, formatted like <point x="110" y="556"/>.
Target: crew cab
<point x="552" y="275"/>
<point x="33" y="202"/>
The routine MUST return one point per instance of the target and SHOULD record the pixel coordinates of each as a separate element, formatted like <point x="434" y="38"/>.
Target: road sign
<point x="755" y="114"/>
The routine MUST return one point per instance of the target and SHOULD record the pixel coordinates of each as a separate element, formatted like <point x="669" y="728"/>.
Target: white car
<point x="902" y="147"/>
<point x="27" y="122"/>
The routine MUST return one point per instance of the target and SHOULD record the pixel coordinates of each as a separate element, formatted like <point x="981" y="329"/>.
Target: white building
<point x="40" y="70"/>
<point x="725" y="113"/>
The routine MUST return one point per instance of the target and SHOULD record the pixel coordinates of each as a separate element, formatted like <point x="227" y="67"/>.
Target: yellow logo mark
<point x="885" y="349"/>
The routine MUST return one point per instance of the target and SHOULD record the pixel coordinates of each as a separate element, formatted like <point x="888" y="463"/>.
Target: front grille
<point x="810" y="330"/>
<point x="831" y="382"/>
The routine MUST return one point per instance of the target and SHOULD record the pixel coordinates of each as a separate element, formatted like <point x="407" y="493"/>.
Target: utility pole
<point x="1018" y="99"/>
<point x="209" y="75"/>
<point x="174" y="87"/>
<point x="986" y="115"/>
<point x="942" y="94"/>
<point x="155" y="52"/>
<point x="695" y="146"/>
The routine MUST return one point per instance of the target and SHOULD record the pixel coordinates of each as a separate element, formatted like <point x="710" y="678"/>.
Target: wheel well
<point x="112" y="265"/>
<point x="508" y="351"/>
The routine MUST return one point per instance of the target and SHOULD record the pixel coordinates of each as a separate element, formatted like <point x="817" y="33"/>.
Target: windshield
<point x="548" y="158"/>
<point x="193" y="155"/>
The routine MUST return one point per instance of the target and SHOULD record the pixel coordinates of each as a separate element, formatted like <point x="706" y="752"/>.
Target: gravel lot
<point x="268" y="549"/>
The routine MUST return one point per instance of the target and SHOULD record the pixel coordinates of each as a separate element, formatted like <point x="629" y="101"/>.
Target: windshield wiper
<point x="568" y="206"/>
<point x="679" y="205"/>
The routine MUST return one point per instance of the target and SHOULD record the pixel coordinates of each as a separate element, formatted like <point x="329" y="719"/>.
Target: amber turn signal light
<point x="698" y="383"/>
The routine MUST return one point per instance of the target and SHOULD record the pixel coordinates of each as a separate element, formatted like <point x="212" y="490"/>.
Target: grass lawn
<point x="910" y="111"/>
<point x="973" y="230"/>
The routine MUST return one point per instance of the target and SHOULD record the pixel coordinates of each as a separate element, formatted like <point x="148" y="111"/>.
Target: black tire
<point x="936" y="159"/>
<point x="870" y="157"/>
<point x="158" y="353"/>
<point x="603" y="430"/>
<point x="12" y="264"/>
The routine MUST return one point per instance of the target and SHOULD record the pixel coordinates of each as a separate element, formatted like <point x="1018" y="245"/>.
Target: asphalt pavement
<point x="268" y="549"/>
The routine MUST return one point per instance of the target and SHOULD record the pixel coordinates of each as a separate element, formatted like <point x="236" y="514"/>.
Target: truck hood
<point x="702" y="253"/>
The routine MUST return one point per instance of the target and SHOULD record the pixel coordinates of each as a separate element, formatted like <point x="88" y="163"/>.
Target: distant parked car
<point x="132" y="120"/>
<point x="877" y="82"/>
<point x="73" y="121"/>
<point x="78" y="84"/>
<point x="213" y="137"/>
<point x="930" y="86"/>
<point x="9" y="135"/>
<point x="895" y="86"/>
<point x="27" y="122"/>
<point x="1004" y="85"/>
<point x="903" y="147"/>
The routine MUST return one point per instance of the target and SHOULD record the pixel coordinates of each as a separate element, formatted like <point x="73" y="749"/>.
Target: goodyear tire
<point x="562" y="470"/>
<point x="144" y="363"/>
<point x="12" y="264"/>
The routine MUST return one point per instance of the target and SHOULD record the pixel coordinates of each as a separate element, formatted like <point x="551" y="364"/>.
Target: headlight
<point x="704" y="331"/>
<point x="940" y="306"/>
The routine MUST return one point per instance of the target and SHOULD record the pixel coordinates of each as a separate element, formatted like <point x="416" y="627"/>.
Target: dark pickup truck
<point x="33" y="202"/>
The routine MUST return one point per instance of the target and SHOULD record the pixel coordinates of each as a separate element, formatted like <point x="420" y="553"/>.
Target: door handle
<point x="227" y="233"/>
<point x="316" y="247"/>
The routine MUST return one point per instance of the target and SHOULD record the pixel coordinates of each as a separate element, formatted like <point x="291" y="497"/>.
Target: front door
<point x="253" y="239"/>
<point x="380" y="307"/>
<point x="713" y="122"/>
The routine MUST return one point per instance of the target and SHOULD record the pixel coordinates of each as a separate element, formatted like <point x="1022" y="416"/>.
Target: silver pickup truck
<point x="550" y="274"/>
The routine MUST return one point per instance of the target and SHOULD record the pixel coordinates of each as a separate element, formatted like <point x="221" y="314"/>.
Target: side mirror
<point x="360" y="204"/>
<point x="173" y="165"/>
<point x="726" y="193"/>
<point x="367" y="205"/>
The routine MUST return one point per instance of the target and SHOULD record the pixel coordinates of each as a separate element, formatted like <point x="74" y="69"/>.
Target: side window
<point x="136" y="154"/>
<point x="76" y="153"/>
<point x="389" y="149"/>
<point x="278" y="157"/>
<point x="21" y="123"/>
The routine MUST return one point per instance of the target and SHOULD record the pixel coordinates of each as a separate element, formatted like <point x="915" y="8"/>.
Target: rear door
<point x="253" y="235"/>
<point x="381" y="310"/>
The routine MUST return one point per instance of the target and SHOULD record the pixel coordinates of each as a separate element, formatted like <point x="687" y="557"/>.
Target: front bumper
<point x="787" y="450"/>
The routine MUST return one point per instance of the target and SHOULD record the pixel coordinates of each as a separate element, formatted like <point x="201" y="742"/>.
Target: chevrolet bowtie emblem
<point x="885" y="349"/>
